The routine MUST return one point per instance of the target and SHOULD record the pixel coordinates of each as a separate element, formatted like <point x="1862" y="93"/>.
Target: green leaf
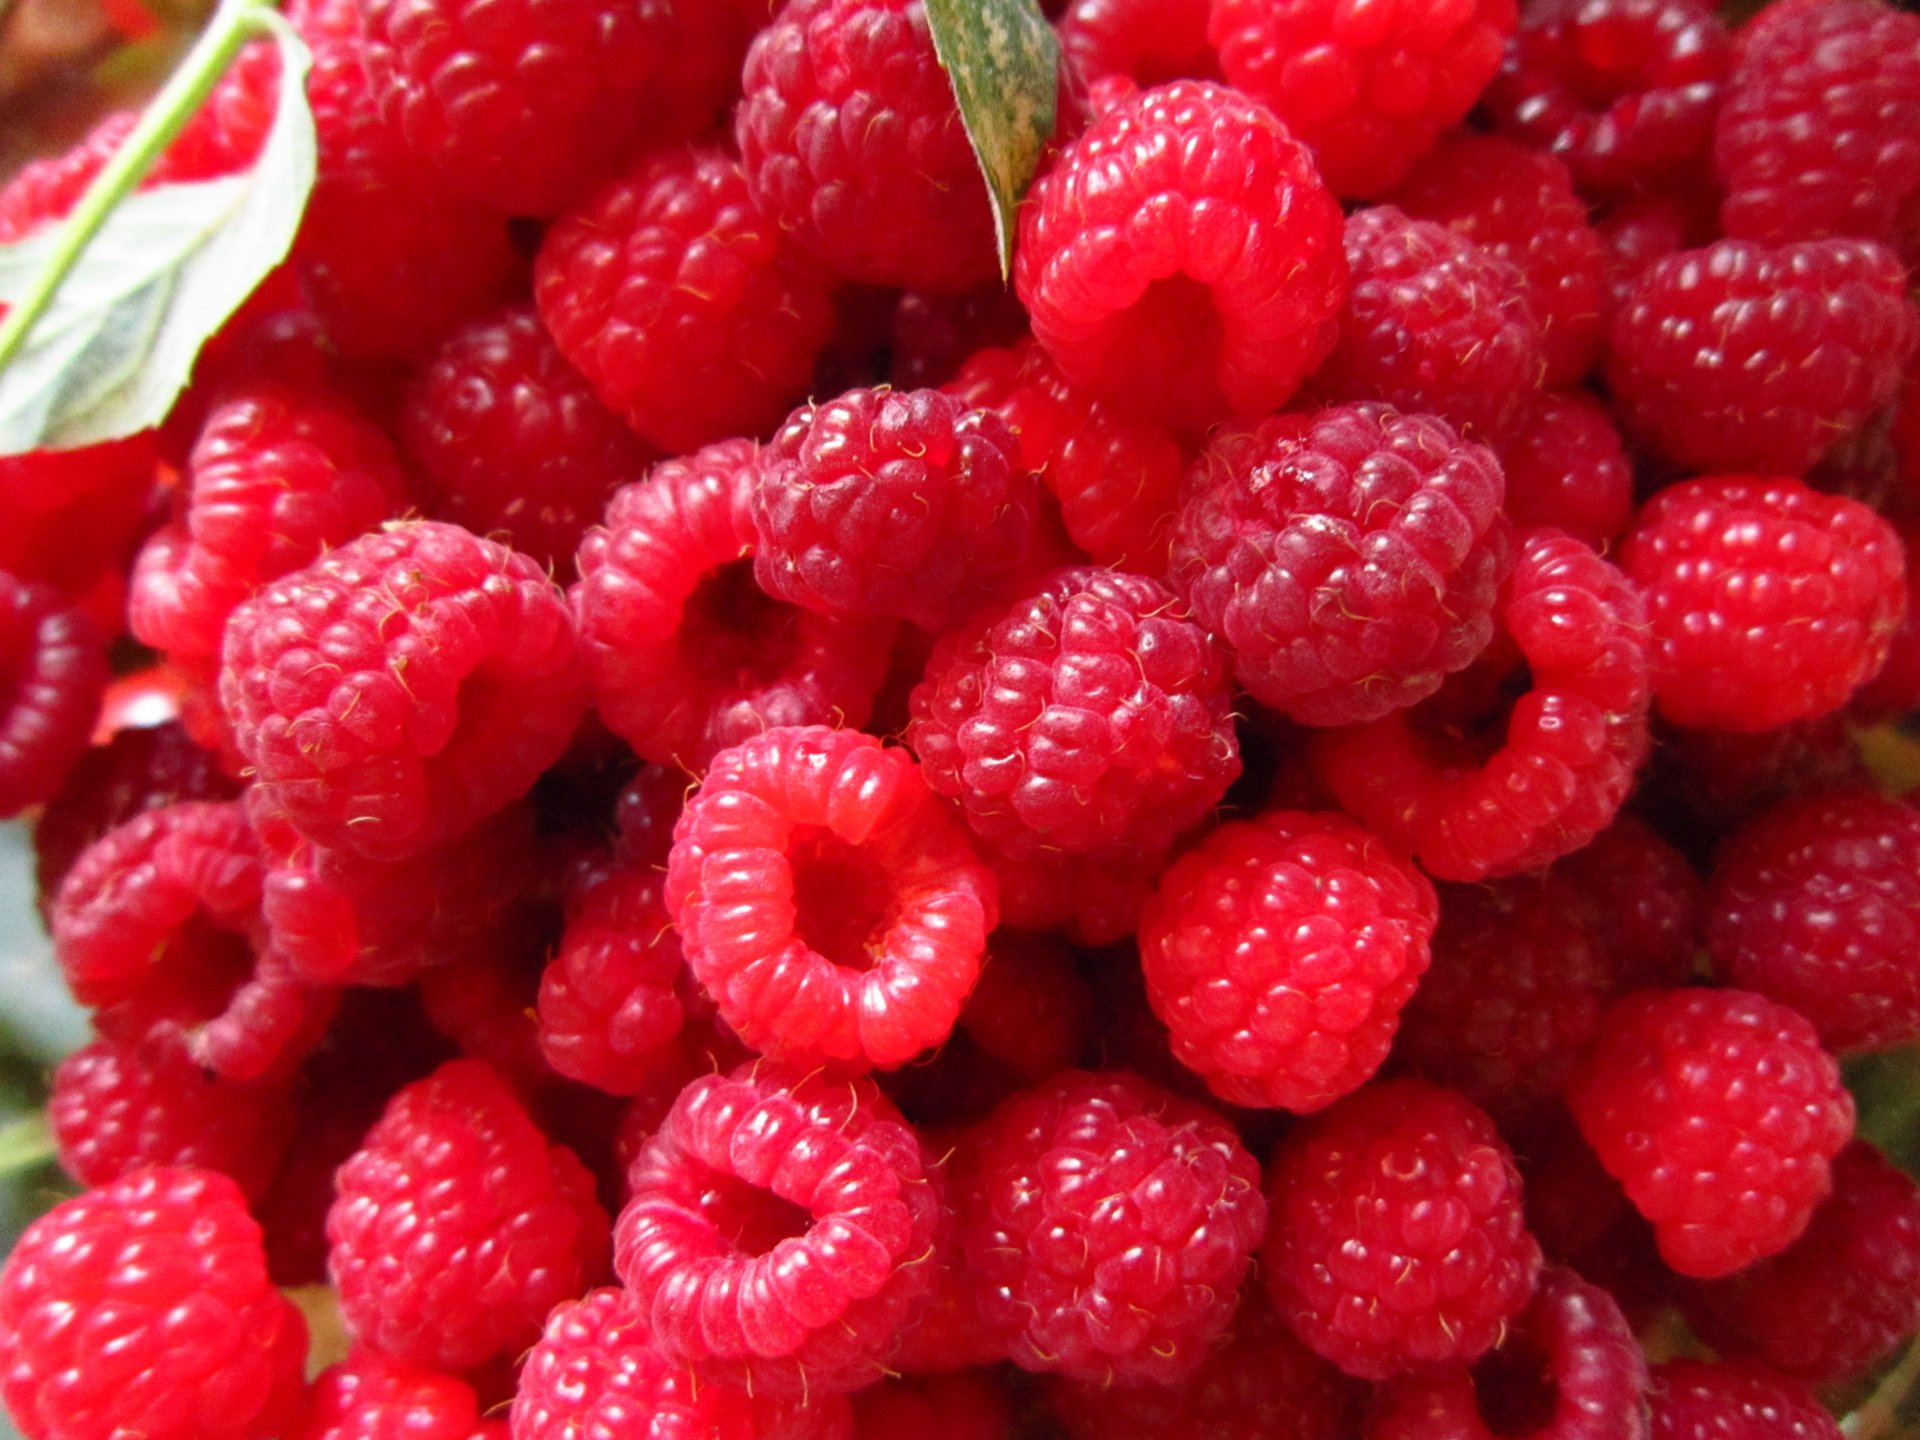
<point x="1004" y="62"/>
<point x="25" y="1144"/>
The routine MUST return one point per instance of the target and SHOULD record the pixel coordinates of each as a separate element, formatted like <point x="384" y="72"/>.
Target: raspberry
<point x="931" y="336"/>
<point x="1106" y="1227"/>
<point x="1896" y="689"/>
<point x="513" y="440"/>
<point x="854" y="145"/>
<point x="401" y="688"/>
<point x="1370" y="94"/>
<point x="827" y="900"/>
<point x="1520" y="205"/>
<point x="1636" y="891"/>
<point x="1272" y="518"/>
<point x="686" y="308"/>
<point x="778" y="1229"/>
<point x="53" y="668"/>
<point x="1478" y="782"/>
<point x="72" y="518"/>
<point x="1706" y="782"/>
<point x="1640" y="229"/>
<point x="1398" y="1241"/>
<point x="1744" y="356"/>
<point x="1280" y="952"/>
<point x="1434" y="324"/>
<point x="1182" y="257"/>
<point x="949" y="1334"/>
<point x="487" y="1006"/>
<point x="889" y="504"/>
<point x="456" y="1226"/>
<point x="369" y="1396"/>
<point x="1030" y="1011"/>
<point x="1624" y="91"/>
<point x="1567" y="468"/>
<point x="144" y="1309"/>
<point x="967" y="1405"/>
<point x="1696" y="1401"/>
<point x="1768" y="602"/>
<point x="1718" y="1111"/>
<point x="1149" y="41"/>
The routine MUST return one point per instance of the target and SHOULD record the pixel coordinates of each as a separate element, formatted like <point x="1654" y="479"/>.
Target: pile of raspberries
<point x="754" y="835"/>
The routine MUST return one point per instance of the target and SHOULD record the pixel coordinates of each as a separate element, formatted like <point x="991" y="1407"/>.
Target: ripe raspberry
<point x="1640" y="229"/>
<point x="1436" y="325"/>
<point x="402" y="687"/>
<point x="1369" y="95"/>
<point x="686" y="308"/>
<point x="1896" y="689"/>
<point x="949" y="1334"/>
<point x="487" y="1006"/>
<point x="1272" y="518"/>
<point x="1106" y="1226"/>
<point x="778" y="1229"/>
<point x="144" y="1309"/>
<point x="1031" y="1011"/>
<point x="72" y="519"/>
<point x="1222" y="304"/>
<point x="931" y="336"/>
<point x="456" y="1226"/>
<point x="1567" y="468"/>
<point x="369" y="1396"/>
<point x="1398" y="1241"/>
<point x="1638" y="892"/>
<point x="1697" y="1401"/>
<point x="1704" y="783"/>
<point x="1279" y="953"/>
<point x="1149" y="41"/>
<point x="827" y="900"/>
<point x="53" y="668"/>
<point x="1768" y="602"/>
<point x="1744" y="356"/>
<point x="966" y="1405"/>
<point x="1718" y="1111"/>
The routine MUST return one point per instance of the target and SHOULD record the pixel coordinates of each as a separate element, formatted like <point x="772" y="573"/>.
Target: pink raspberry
<point x="369" y="1396"/>
<point x="1693" y="1400"/>
<point x="1567" y="468"/>
<point x="966" y="1405"/>
<point x="1149" y="41"/>
<point x="1182" y="257"/>
<point x="53" y="668"/>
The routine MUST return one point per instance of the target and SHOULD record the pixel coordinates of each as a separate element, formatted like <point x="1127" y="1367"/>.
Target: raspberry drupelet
<point x="1694" y="1400"/>
<point x="1398" y="1242"/>
<point x="144" y="1308"/>
<point x="780" y="1231"/>
<point x="370" y="1396"/>
<point x="1567" y="468"/>
<point x="827" y="900"/>
<point x="53" y="669"/>
<point x="1106" y="1226"/>
<point x="1149" y="41"/>
<point x="1183" y="257"/>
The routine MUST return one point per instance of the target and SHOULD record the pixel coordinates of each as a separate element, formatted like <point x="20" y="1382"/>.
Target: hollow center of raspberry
<point x="843" y="898"/>
<point x="1467" y="719"/>
<point x="735" y="633"/>
<point x="753" y="1220"/>
<point x="1515" y="1391"/>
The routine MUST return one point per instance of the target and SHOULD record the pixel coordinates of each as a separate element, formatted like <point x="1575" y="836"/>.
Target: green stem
<point x="232" y="26"/>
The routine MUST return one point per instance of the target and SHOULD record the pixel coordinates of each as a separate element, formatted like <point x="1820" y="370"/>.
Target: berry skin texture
<point x="1148" y="41"/>
<point x="402" y="687"/>
<point x="1567" y="468"/>
<point x="369" y="1396"/>
<point x="827" y="900"/>
<point x="854" y="146"/>
<point x="1398" y="1241"/>
<point x="1768" y="602"/>
<point x="779" y="1230"/>
<point x="1349" y="559"/>
<point x="1719" y="1112"/>
<point x="1279" y="954"/>
<point x="1106" y="1227"/>
<point x="1370" y="94"/>
<point x="1183" y="258"/>
<point x="1821" y="332"/>
<point x="456" y="1227"/>
<point x="1693" y="1400"/>
<point x="687" y="309"/>
<point x="53" y="669"/>
<point x="144" y="1308"/>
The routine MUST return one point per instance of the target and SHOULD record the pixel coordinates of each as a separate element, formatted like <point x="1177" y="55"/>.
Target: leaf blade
<point x="26" y="1144"/>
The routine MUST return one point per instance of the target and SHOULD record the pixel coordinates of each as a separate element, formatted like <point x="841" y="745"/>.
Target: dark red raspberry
<point x="1398" y="1241"/>
<point x="1031" y="1011"/>
<point x="457" y="1227"/>
<point x="1272" y="519"/>
<point x="1480" y="781"/>
<point x="53" y="668"/>
<point x="1279" y="953"/>
<point x="1704" y="783"/>
<point x="144" y="1309"/>
<point x="73" y="518"/>
<point x="1767" y="601"/>
<point x="1567" y="468"/>
<point x="1641" y="895"/>
<point x="1896" y="689"/>
<point x="1106" y="1227"/>
<point x="1227" y="301"/>
<point x="686" y="308"/>
<point x="1745" y="356"/>
<point x="931" y="336"/>
<point x="827" y="900"/>
<point x="1693" y="1400"/>
<point x="1719" y="1112"/>
<point x="402" y="688"/>
<point x="1148" y="41"/>
<point x="1091" y="899"/>
<point x="370" y="1396"/>
<point x="1640" y="229"/>
<point x="966" y="1405"/>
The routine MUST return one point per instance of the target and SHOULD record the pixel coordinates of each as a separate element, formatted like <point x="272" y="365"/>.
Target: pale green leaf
<point x="25" y="1144"/>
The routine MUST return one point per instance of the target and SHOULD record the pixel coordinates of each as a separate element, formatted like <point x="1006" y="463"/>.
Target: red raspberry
<point x="1768" y="602"/>
<point x="1718" y="1111"/>
<point x="1744" y="356"/>
<point x="949" y="1334"/>
<point x="53" y="668"/>
<point x="778" y="1230"/>
<point x="144" y="1309"/>
<point x="369" y="1396"/>
<point x="1896" y="689"/>
<point x="1479" y="783"/>
<point x="1149" y="41"/>
<point x="1370" y="94"/>
<point x="1696" y="1401"/>
<point x="73" y="518"/>
<point x="1640" y="229"/>
<point x="1640" y="894"/>
<point x="1182" y="257"/>
<point x="685" y="307"/>
<point x="1031" y="1011"/>
<point x="1093" y="900"/>
<point x="1567" y="468"/>
<point x="1398" y="1241"/>
<point x="1520" y="205"/>
<point x="1106" y="1227"/>
<point x="854" y="145"/>
<point x="401" y="688"/>
<point x="1436" y="325"/>
<point x="1703" y="783"/>
<point x="1279" y="953"/>
<point x="1093" y="717"/>
<point x="513" y="440"/>
<point x="827" y="900"/>
<point x="456" y="1226"/>
<point x="967" y="1405"/>
<point x="1272" y="518"/>
<point x="487" y="1006"/>
<point x="889" y="504"/>
<point x="931" y="336"/>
